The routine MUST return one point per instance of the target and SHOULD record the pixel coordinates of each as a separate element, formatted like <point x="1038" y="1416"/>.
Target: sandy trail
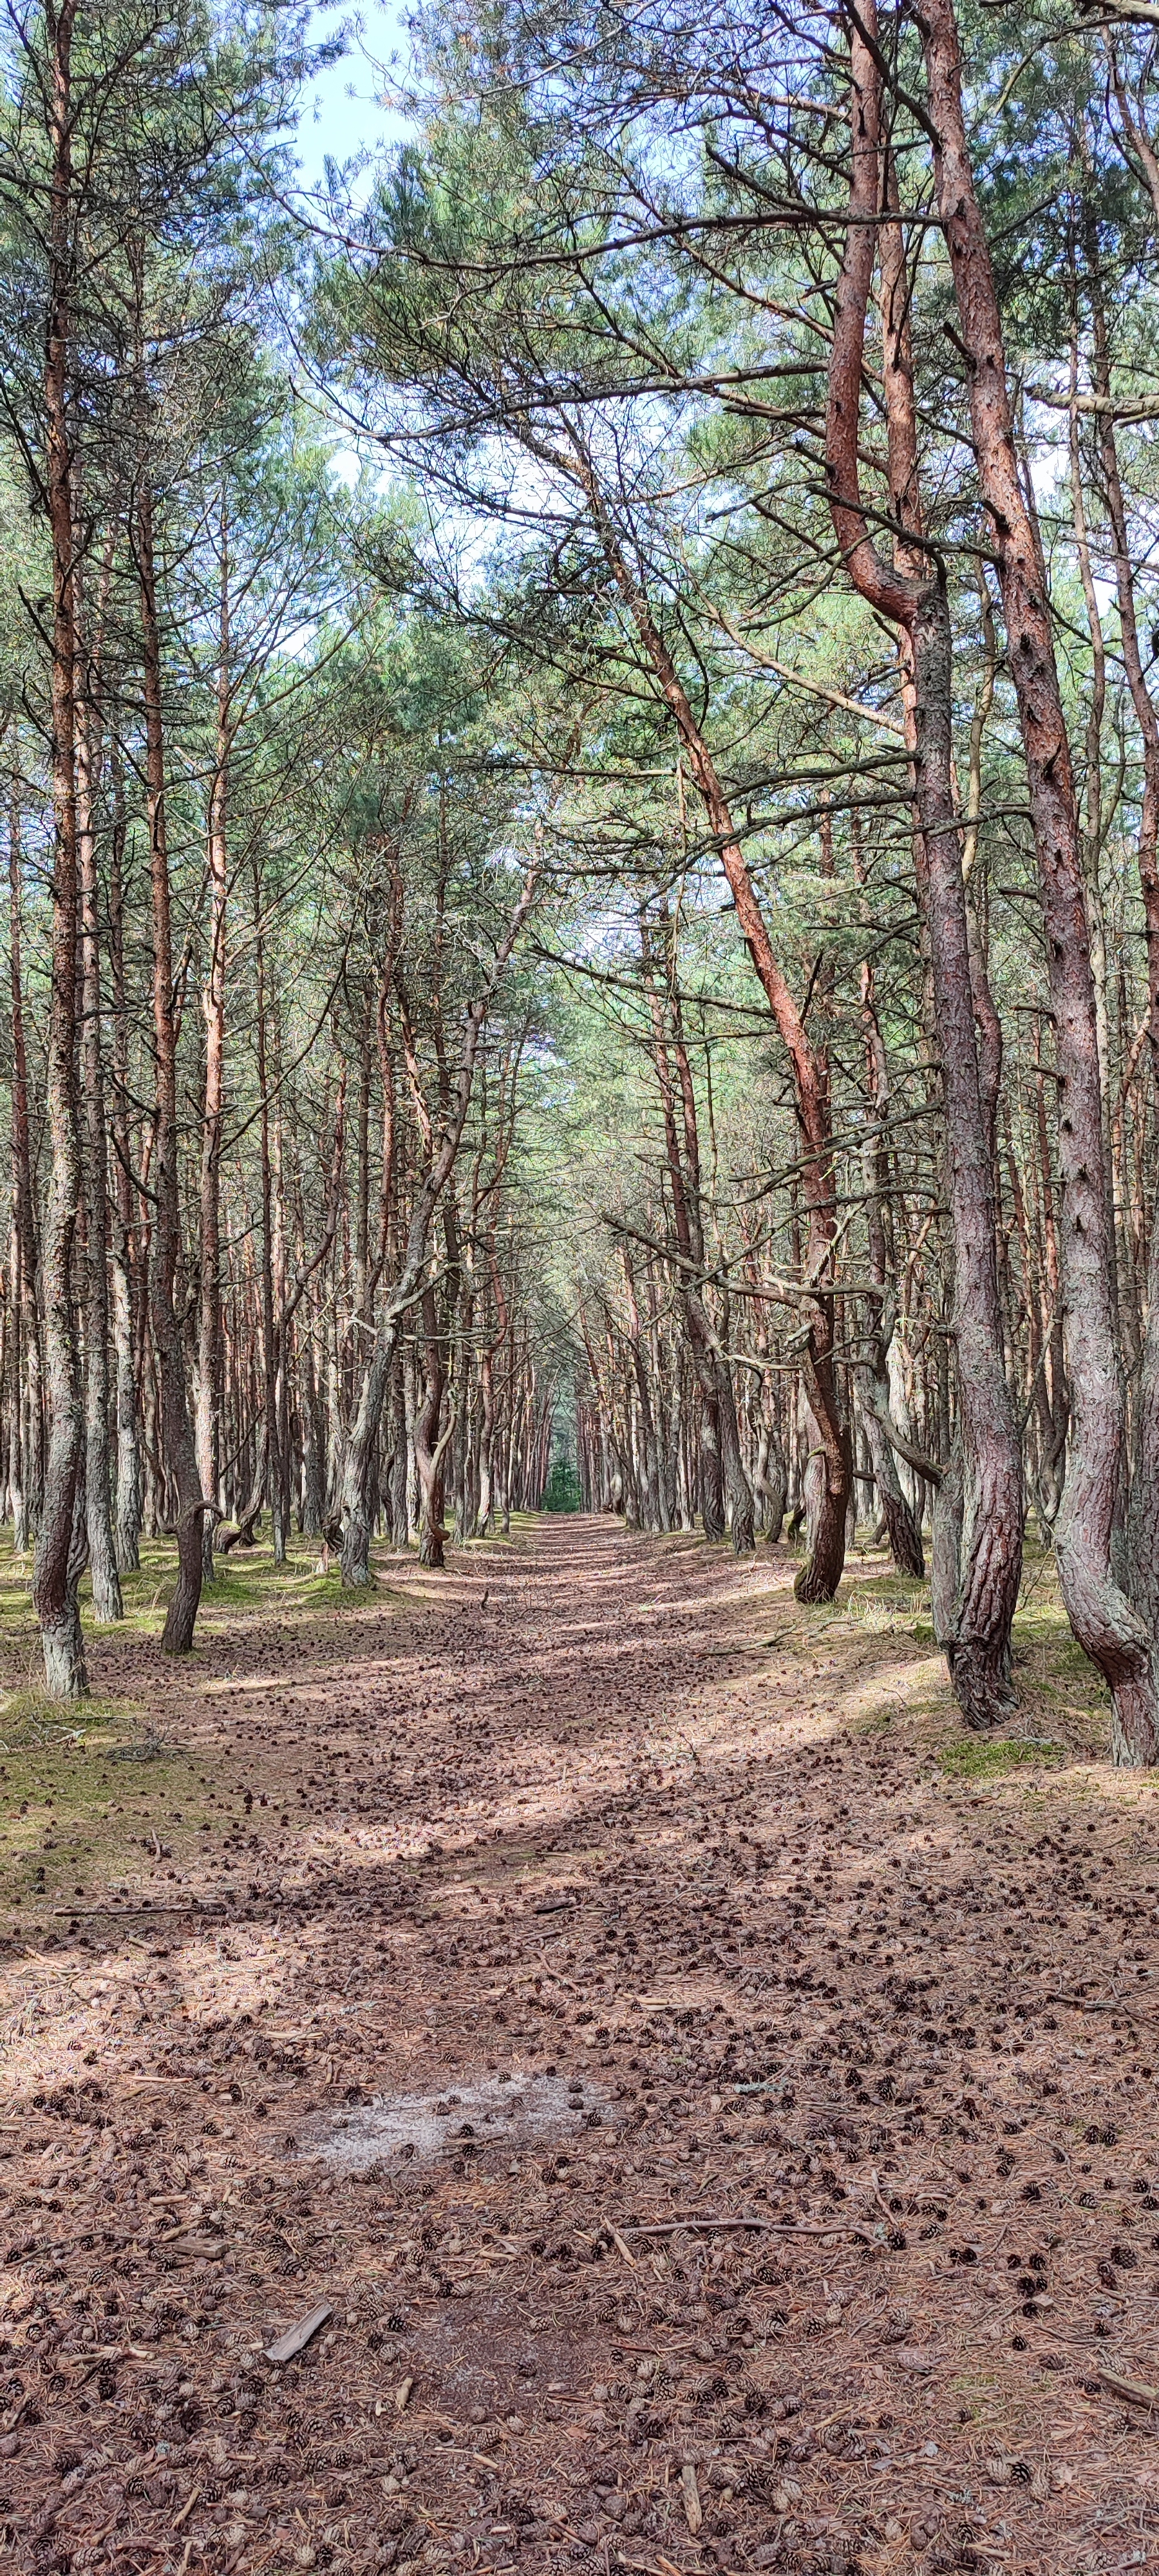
<point x="621" y="1896"/>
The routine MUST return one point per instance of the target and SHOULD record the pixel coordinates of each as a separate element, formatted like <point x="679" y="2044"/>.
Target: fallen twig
<point x="186" y="2509"/>
<point x="766" y="2226"/>
<point x="1136" y="2391"/>
<point x="1094" y="2003"/>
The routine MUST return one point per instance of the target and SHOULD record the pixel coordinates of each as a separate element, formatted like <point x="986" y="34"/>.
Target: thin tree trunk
<point x="208" y="1405"/>
<point x="177" y="1430"/>
<point x="871" y="1375"/>
<point x="107" y="1603"/>
<point x="53" y="1591"/>
<point x="430" y="1444"/>
<point x="29" y="1398"/>
<point x="130" y="1482"/>
<point x="269" y="1318"/>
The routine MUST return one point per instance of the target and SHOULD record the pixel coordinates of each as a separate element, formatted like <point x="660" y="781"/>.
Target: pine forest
<point x="579" y="1287"/>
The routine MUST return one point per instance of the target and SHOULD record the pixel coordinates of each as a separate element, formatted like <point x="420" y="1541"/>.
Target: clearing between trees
<point x="713" y="2099"/>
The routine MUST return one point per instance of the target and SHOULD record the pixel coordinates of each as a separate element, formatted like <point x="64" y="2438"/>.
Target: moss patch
<point x="986" y="1757"/>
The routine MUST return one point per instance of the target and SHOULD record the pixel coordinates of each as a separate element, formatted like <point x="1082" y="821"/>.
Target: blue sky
<point x="343" y="112"/>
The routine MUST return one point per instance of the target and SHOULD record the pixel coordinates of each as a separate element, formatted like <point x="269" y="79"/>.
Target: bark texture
<point x="978" y="1523"/>
<point x="1105" y="1621"/>
<point x="53" y="1585"/>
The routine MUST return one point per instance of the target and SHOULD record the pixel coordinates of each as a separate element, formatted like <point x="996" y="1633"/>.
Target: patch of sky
<point x="349" y="112"/>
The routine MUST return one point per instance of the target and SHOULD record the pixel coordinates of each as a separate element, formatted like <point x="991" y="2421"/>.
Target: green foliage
<point x="562" y="1492"/>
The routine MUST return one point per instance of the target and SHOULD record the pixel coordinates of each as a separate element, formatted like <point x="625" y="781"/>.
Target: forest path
<point x="605" y="1828"/>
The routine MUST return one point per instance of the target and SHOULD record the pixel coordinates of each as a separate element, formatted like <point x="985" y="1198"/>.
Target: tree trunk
<point x="107" y="1603"/>
<point x="1143" y="1511"/>
<point x="29" y="1400"/>
<point x="742" y="1515"/>
<point x="1105" y="1622"/>
<point x="130" y="1481"/>
<point x="176" y="1428"/>
<point x="270" y="1318"/>
<point x="771" y="1480"/>
<point x="977" y="1541"/>
<point x="431" y="1444"/>
<point x="208" y="1406"/>
<point x="53" y="1592"/>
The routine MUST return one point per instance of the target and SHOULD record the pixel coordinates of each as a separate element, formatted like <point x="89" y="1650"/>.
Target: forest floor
<point x="714" y="2099"/>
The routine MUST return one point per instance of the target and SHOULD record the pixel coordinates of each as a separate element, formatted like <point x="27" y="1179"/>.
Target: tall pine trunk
<point x="208" y="1407"/>
<point x="28" y="1399"/>
<point x="106" y="1585"/>
<point x="53" y="1588"/>
<point x="130" y="1478"/>
<point x="177" y="1430"/>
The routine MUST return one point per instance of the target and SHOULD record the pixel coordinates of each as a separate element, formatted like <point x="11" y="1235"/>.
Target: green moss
<point x="986" y="1757"/>
<point x="71" y="1813"/>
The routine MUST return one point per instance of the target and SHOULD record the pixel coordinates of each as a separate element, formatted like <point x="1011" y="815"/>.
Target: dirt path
<point x="453" y="1943"/>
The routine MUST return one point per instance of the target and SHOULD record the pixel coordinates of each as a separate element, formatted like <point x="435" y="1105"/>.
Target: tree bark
<point x="53" y="1590"/>
<point x="106" y="1586"/>
<point x="29" y="1401"/>
<point x="130" y="1481"/>
<point x="177" y="1431"/>
<point x="871" y="1374"/>
<point x="208" y="1405"/>
<point x="1143" y="1508"/>
<point x="978" y="1521"/>
<point x="430" y="1444"/>
<point x="1104" y="1620"/>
